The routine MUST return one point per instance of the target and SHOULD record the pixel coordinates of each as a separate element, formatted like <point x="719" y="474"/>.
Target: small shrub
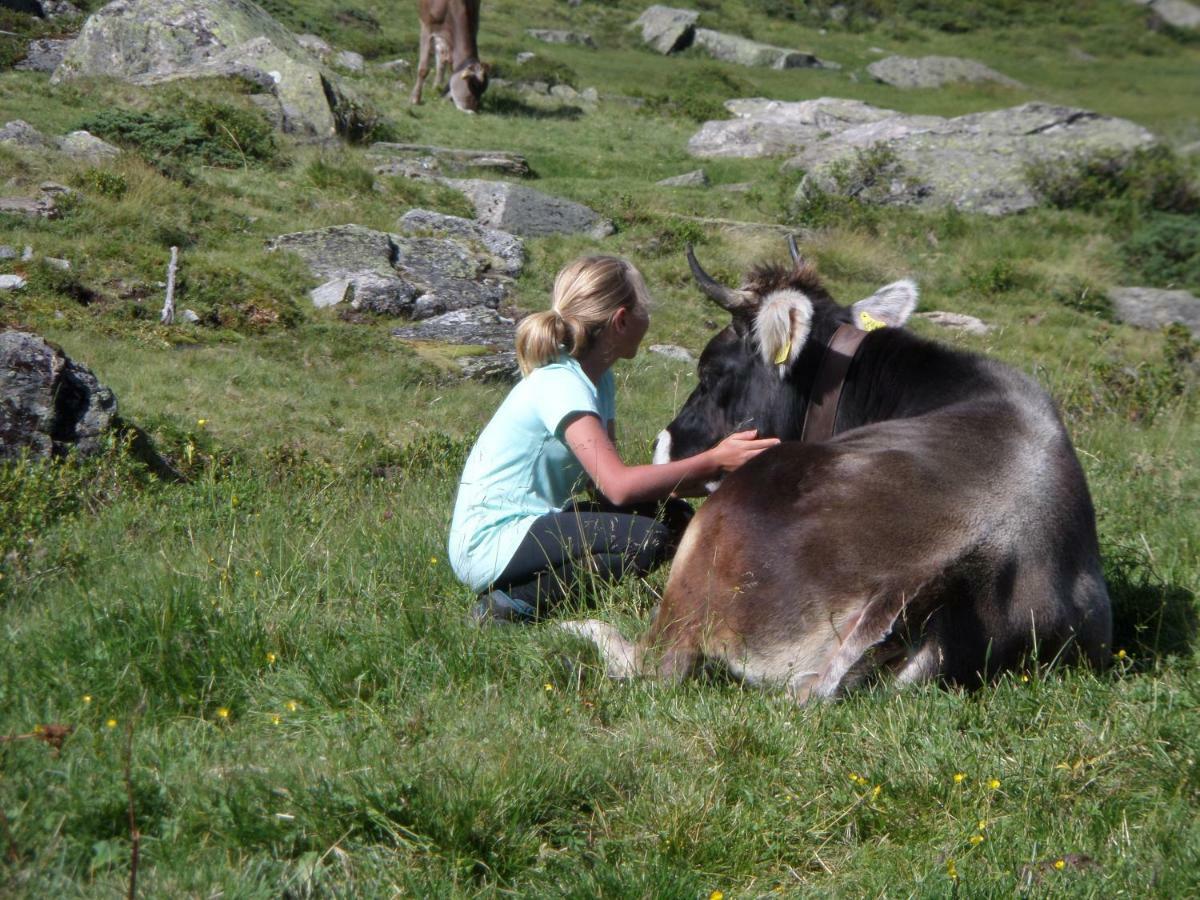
<point x="1153" y="178"/>
<point x="1083" y="296"/>
<point x="1139" y="393"/>
<point x="104" y="182"/>
<point x="338" y="173"/>
<point x="1164" y="249"/>
<point x="998" y="277"/>
<point x="699" y="94"/>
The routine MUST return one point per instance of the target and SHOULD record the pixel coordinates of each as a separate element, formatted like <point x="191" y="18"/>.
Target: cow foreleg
<point x="422" y="64"/>
<point x="622" y="659"/>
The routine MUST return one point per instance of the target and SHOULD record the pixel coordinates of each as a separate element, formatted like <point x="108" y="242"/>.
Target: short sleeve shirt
<point x="521" y="467"/>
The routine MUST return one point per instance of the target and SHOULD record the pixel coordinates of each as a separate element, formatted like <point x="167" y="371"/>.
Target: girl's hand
<point x="739" y="448"/>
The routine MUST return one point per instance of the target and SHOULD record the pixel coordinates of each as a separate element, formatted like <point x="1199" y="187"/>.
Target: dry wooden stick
<point x="135" y="836"/>
<point x="168" y="310"/>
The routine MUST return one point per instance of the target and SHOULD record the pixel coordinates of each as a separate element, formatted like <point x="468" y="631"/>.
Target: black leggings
<point x="593" y="539"/>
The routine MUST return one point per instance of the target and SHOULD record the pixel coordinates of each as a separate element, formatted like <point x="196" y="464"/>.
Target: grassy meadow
<point x="267" y="668"/>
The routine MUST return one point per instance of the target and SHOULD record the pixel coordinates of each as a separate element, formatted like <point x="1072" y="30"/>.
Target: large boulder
<point x="480" y="327"/>
<point x="773" y="127"/>
<point x="1155" y="308"/>
<point x="934" y="71"/>
<point x="20" y="133"/>
<point x="1176" y="13"/>
<point x="415" y="277"/>
<point x="44" y="55"/>
<point x="48" y="403"/>
<point x="667" y="29"/>
<point x="507" y="250"/>
<point x="745" y="52"/>
<point x="521" y="210"/>
<point x="976" y="163"/>
<point x="86" y="146"/>
<point x="150" y="41"/>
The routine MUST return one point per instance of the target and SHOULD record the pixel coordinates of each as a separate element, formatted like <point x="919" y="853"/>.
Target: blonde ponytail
<point x="587" y="293"/>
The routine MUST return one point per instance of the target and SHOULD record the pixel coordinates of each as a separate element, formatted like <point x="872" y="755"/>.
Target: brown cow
<point x="940" y="529"/>
<point x="453" y="26"/>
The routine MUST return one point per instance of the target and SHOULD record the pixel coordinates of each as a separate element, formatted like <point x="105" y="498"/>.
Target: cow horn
<point x="726" y="298"/>
<point x="797" y="259"/>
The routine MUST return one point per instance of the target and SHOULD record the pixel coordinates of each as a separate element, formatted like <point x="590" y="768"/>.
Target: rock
<point x="956" y="321"/>
<point x="48" y="404"/>
<point x="315" y="45"/>
<point x="396" y="65"/>
<point x="189" y="317"/>
<point x="350" y="61"/>
<point x="696" y="178"/>
<point x="523" y="211"/>
<point x="773" y="127"/>
<point x="589" y="95"/>
<point x="549" y="36"/>
<point x="151" y="41"/>
<point x="7" y="252"/>
<point x="44" y="55"/>
<point x="671" y="351"/>
<point x="737" y="187"/>
<point x="393" y="275"/>
<point x="1176" y="13"/>
<point x="745" y="52"/>
<point x="501" y="366"/>
<point x="43" y="207"/>
<point x="331" y="293"/>
<point x="477" y="326"/>
<point x="22" y="134"/>
<point x="86" y="146"/>
<point x="667" y="29"/>
<point x="27" y="254"/>
<point x="564" y="92"/>
<point x="525" y="57"/>
<point x="976" y="163"/>
<point x="1155" y="308"/>
<point x="424" y="161"/>
<point x="56" y="263"/>
<point x="934" y="71"/>
<point x="11" y="282"/>
<point x="508" y="250"/>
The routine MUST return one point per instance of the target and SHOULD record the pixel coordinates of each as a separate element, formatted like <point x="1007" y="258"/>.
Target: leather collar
<point x="821" y="414"/>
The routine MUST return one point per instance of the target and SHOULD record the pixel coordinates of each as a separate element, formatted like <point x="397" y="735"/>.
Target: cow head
<point x="759" y="370"/>
<point x="467" y="84"/>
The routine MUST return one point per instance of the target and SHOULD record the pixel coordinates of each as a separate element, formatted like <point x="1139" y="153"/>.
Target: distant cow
<point x="453" y="26"/>
<point x="944" y="531"/>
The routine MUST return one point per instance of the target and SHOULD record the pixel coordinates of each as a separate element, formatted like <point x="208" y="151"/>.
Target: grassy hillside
<point x="271" y="659"/>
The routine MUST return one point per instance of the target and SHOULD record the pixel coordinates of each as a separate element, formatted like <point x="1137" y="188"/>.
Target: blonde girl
<point x="516" y="539"/>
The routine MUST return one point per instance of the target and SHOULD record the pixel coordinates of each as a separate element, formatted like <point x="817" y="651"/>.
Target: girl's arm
<point x="622" y="484"/>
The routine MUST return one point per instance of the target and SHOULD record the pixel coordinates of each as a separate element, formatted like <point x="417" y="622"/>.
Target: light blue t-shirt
<point x="521" y="468"/>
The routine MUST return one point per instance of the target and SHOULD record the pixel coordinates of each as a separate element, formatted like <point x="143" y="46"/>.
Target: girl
<point x="514" y="538"/>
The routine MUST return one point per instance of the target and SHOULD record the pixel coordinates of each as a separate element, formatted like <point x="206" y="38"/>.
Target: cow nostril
<point x="662" y="448"/>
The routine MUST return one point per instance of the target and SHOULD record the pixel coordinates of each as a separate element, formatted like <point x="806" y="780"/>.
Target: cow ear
<point x="781" y="327"/>
<point x="891" y="305"/>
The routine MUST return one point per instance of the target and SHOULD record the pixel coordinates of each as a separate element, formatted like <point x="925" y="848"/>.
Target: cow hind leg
<point x="874" y="624"/>
<point x="422" y="65"/>
<point x="625" y="659"/>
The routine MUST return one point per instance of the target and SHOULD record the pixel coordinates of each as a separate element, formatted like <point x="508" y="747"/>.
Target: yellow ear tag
<point x="869" y="322"/>
<point x="784" y="352"/>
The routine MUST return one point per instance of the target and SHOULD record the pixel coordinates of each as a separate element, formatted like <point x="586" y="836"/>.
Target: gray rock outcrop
<point x="956" y="321"/>
<point x="1177" y="13"/>
<point x="1155" y="308"/>
<point x="424" y="161"/>
<point x="553" y="36"/>
<point x="673" y="351"/>
<point x="44" y="55"/>
<point x="48" y="403"/>
<point x="976" y="163"/>
<point x="667" y="29"/>
<point x="507" y="250"/>
<point x="86" y="146"/>
<point x="523" y="211"/>
<point x="416" y="277"/>
<point x="934" y="71"/>
<point x="21" y="134"/>
<point x="150" y="41"/>
<point x="44" y="206"/>
<point x="478" y="327"/>
<point x="696" y="178"/>
<point x="745" y="52"/>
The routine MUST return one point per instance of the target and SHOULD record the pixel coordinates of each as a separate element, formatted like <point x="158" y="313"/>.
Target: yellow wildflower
<point x="87" y="698"/>
<point x="111" y="723"/>
<point x="716" y="895"/>
<point x="270" y="659"/>
<point x="202" y="422"/>
<point x="994" y="783"/>
<point x="1060" y="864"/>
<point x="952" y="869"/>
<point x="960" y="777"/>
<point x="433" y="560"/>
<point x="976" y="840"/>
<point x="223" y="712"/>
<point x="1120" y="654"/>
<point x="292" y="706"/>
<point x="983" y="824"/>
<point x="276" y="718"/>
<point x="1024" y="679"/>
<point x="547" y="686"/>
<point x="233" y="501"/>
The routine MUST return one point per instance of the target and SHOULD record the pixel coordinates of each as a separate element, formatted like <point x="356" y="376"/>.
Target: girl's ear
<point x="620" y="319"/>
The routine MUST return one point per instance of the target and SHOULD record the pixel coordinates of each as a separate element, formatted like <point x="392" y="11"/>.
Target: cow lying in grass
<point x="933" y="524"/>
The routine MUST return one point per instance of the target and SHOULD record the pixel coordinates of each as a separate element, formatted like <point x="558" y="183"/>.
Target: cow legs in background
<point x="441" y="54"/>
<point x="423" y="63"/>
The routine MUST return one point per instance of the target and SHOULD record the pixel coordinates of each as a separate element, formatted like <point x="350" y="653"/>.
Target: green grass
<point x="374" y="744"/>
